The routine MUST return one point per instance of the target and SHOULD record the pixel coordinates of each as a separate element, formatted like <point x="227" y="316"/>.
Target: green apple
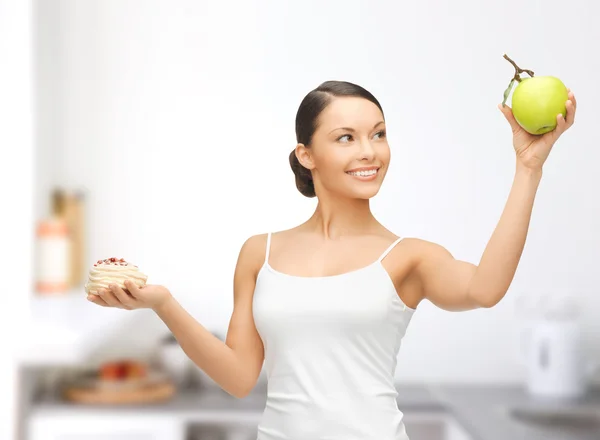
<point x="537" y="101"/>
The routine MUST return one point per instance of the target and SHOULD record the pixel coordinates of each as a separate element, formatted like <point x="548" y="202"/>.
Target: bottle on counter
<point x="71" y="209"/>
<point x="53" y="253"/>
<point x="61" y="244"/>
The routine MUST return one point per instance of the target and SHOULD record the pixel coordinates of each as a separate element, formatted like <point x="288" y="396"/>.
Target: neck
<point x="337" y="217"/>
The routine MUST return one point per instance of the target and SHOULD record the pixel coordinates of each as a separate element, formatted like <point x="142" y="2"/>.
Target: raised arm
<point x="457" y="285"/>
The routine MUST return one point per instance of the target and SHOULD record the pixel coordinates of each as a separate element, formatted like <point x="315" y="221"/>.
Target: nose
<point x="367" y="152"/>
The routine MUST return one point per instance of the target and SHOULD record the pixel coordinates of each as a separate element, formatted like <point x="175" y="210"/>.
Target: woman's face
<point x="349" y="154"/>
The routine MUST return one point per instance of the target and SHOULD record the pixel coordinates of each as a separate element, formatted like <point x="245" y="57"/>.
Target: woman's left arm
<point x="457" y="285"/>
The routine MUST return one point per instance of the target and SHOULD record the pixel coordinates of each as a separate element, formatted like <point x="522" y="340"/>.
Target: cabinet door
<point x="104" y="427"/>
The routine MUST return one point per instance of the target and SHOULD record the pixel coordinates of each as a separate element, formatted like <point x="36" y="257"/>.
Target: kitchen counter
<point x="481" y="410"/>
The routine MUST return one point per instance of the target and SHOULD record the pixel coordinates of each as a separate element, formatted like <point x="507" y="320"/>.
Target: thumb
<point x="508" y="114"/>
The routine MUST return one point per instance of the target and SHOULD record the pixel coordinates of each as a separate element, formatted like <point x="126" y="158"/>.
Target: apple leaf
<point x="507" y="91"/>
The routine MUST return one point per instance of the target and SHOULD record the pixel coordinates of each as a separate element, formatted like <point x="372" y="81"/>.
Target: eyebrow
<point x="353" y="130"/>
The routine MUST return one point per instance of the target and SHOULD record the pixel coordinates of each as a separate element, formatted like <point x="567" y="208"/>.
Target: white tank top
<point x="331" y="346"/>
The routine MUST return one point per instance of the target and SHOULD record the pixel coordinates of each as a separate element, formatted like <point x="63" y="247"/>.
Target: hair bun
<point x="304" y="180"/>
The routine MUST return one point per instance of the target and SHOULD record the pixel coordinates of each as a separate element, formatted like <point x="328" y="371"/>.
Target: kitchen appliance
<point x="555" y="360"/>
<point x="552" y="347"/>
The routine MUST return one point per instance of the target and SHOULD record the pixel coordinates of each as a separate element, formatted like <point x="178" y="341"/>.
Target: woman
<point x="326" y="304"/>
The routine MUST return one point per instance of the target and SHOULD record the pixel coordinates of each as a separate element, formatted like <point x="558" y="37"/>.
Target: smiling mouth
<point x="364" y="175"/>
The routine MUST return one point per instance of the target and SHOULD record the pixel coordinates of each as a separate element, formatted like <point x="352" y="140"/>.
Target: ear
<point x="304" y="156"/>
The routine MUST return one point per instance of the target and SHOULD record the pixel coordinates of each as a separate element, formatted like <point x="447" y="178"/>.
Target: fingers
<point x="116" y="297"/>
<point x="561" y="123"/>
<point x="133" y="288"/>
<point x="126" y="300"/>
<point x="96" y="299"/>
<point x="109" y="298"/>
<point x="560" y="128"/>
<point x="571" y="109"/>
<point x="508" y="114"/>
<point x="571" y="96"/>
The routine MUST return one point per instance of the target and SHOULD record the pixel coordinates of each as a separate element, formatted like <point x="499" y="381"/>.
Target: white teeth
<point x="362" y="173"/>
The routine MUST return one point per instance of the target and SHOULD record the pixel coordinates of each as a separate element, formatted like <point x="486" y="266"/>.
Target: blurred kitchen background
<point x="159" y="132"/>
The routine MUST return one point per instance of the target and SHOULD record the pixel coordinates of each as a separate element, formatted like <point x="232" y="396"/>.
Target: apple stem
<point x="516" y="78"/>
<point x="518" y="70"/>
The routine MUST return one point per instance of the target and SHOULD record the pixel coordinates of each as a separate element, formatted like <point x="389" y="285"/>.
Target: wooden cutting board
<point x="114" y="395"/>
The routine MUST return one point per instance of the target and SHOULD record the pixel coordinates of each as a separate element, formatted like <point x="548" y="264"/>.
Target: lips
<point x="363" y="169"/>
<point x="364" y="175"/>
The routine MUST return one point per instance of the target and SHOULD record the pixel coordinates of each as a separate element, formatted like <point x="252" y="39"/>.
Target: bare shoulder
<point x="254" y="250"/>
<point x="414" y="251"/>
<point x="283" y="239"/>
<point x="252" y="253"/>
<point x="255" y="244"/>
<point x="441" y="278"/>
<point x="424" y="251"/>
<point x="424" y="256"/>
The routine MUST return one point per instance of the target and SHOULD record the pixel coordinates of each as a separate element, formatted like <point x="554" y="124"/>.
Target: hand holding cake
<point x="113" y="282"/>
<point x="113" y="271"/>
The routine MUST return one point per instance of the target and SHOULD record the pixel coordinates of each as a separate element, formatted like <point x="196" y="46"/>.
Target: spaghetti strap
<point x="268" y="248"/>
<point x="387" y="251"/>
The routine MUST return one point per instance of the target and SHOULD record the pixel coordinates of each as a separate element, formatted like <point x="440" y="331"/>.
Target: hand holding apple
<point x="537" y="101"/>
<point x="543" y="108"/>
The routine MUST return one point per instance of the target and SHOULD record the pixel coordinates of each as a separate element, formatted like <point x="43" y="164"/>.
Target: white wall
<point x="178" y="117"/>
<point x="16" y="189"/>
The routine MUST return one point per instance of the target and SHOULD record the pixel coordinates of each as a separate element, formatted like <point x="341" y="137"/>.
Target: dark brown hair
<point x="307" y="122"/>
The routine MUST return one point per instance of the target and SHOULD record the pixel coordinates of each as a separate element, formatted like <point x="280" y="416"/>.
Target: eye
<point x="381" y="134"/>
<point x="340" y="139"/>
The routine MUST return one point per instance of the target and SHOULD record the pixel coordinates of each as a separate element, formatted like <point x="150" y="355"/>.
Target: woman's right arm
<point x="234" y="365"/>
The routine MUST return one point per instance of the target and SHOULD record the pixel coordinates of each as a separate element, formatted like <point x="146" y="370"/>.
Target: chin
<point x="359" y="188"/>
<point x="365" y="193"/>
